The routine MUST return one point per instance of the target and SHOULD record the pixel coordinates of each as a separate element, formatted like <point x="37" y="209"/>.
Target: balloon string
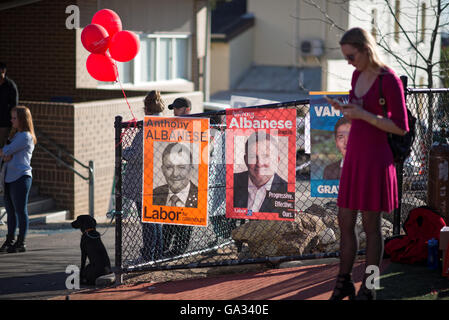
<point x="124" y="94"/>
<point x="133" y="121"/>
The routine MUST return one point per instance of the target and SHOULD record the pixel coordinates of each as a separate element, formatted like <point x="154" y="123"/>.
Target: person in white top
<point x="17" y="154"/>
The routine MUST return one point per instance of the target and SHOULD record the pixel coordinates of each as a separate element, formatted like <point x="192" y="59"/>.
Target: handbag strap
<point x="382" y="100"/>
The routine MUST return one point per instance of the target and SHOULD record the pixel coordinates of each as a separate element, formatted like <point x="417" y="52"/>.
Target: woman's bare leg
<point x="348" y="239"/>
<point x="374" y="239"/>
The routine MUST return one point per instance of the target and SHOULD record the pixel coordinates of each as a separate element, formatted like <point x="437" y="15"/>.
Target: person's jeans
<point x="16" y="202"/>
<point x="151" y="238"/>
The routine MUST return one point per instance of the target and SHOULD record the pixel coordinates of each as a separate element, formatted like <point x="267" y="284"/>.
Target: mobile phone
<point x="332" y="101"/>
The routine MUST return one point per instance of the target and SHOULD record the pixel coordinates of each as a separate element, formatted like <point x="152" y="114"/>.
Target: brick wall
<point x="41" y="54"/>
<point x="38" y="49"/>
<point x="86" y="131"/>
<point x="94" y="139"/>
<point x="55" y="121"/>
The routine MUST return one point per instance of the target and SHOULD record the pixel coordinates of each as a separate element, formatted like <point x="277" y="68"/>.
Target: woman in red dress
<point x="368" y="179"/>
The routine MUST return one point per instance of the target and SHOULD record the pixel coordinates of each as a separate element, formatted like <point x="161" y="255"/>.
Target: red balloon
<point x="101" y="67"/>
<point x="95" y="38"/>
<point x="124" y="46"/>
<point x="109" y="20"/>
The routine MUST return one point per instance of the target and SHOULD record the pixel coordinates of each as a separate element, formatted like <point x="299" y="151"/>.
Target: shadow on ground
<point x="412" y="282"/>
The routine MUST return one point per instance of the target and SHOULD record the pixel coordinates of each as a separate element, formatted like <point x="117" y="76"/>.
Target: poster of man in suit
<point x="260" y="159"/>
<point x="329" y="132"/>
<point x="175" y="171"/>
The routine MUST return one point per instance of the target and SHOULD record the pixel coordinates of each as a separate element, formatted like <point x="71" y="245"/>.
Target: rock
<point x="314" y="231"/>
<point x="279" y="238"/>
<point x="327" y="236"/>
<point x="328" y="214"/>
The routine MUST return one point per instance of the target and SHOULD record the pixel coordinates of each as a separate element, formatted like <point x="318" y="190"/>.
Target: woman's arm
<point x="353" y="111"/>
<point x="20" y="142"/>
<point x="4" y="156"/>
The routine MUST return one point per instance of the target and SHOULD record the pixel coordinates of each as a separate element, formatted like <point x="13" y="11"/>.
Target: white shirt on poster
<point x="256" y="196"/>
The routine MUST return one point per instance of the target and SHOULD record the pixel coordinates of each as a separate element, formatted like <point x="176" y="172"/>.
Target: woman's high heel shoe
<point x="343" y="288"/>
<point x="366" y="294"/>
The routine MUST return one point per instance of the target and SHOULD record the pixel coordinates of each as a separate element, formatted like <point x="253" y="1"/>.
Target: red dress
<point x="368" y="178"/>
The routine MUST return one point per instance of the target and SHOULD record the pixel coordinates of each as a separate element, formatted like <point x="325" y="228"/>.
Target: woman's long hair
<point x="153" y="103"/>
<point x="25" y="121"/>
<point x="363" y="41"/>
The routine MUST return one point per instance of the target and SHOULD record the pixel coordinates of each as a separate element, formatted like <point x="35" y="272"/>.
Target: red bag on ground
<point x="423" y="223"/>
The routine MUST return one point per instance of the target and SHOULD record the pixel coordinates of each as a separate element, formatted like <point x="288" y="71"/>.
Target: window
<point x="160" y="58"/>
<point x="397" y="10"/>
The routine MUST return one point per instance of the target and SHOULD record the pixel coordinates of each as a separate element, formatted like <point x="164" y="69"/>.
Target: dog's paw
<point x="106" y="280"/>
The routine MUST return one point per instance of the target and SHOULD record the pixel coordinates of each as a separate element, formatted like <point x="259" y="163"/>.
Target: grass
<point x="412" y="282"/>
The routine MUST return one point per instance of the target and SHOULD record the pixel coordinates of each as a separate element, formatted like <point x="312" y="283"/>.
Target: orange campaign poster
<point x="260" y="163"/>
<point x="175" y="170"/>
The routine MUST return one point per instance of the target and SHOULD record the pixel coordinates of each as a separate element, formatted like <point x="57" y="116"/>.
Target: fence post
<point x="118" y="198"/>
<point x="399" y="178"/>
<point x="91" y="189"/>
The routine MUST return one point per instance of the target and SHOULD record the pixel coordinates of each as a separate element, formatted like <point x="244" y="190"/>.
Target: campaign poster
<point x="244" y="101"/>
<point x="328" y="134"/>
<point x="260" y="163"/>
<point x="175" y="170"/>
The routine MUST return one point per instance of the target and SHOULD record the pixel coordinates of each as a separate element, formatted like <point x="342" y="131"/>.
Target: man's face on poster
<point x="262" y="160"/>
<point x="177" y="168"/>
<point x="341" y="137"/>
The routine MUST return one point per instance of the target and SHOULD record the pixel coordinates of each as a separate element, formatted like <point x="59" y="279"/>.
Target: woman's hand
<point x="4" y="157"/>
<point x="353" y="111"/>
<point x="350" y="110"/>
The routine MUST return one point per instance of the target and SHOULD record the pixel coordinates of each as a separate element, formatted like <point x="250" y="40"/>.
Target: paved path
<point x="39" y="273"/>
<point x="314" y="282"/>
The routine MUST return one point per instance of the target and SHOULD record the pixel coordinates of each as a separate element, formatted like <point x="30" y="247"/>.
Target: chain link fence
<point x="314" y="233"/>
<point x="431" y="108"/>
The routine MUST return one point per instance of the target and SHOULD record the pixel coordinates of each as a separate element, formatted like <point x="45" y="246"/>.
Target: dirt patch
<point x="191" y="273"/>
<point x="218" y="257"/>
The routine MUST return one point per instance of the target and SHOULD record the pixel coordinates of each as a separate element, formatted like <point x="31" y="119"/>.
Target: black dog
<point x="93" y="248"/>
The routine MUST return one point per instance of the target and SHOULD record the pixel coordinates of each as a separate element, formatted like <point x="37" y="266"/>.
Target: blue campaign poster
<point x="328" y="135"/>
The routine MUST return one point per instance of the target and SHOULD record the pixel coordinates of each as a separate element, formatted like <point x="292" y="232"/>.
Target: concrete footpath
<point x="40" y="274"/>
<point x="312" y="282"/>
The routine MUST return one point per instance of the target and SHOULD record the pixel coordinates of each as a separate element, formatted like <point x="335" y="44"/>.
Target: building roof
<point x="274" y="83"/>
<point x="230" y="19"/>
<point x="281" y="79"/>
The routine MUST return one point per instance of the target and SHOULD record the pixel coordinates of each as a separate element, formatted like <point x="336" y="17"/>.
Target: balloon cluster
<point x="105" y="40"/>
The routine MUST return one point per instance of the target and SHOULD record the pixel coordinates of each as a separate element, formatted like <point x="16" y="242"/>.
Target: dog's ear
<point x="90" y="222"/>
<point x="76" y="224"/>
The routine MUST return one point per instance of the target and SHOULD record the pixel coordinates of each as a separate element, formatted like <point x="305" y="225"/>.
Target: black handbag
<point x="401" y="146"/>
